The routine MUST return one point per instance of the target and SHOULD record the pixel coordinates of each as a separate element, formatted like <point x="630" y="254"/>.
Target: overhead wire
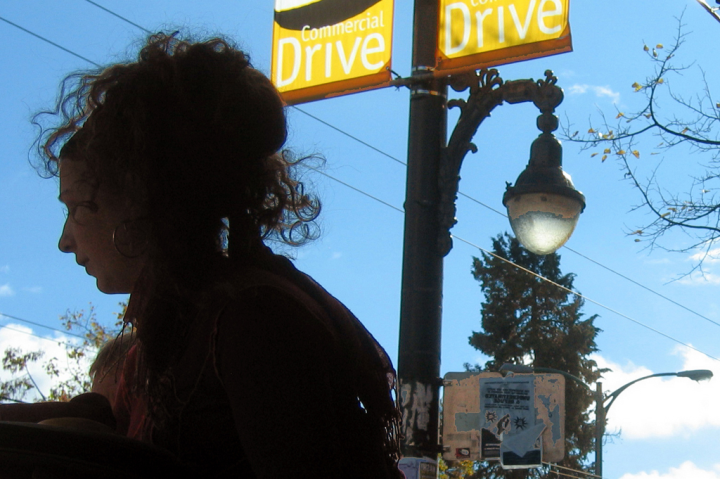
<point x="400" y="210"/>
<point x="48" y="41"/>
<point x="579" y="295"/>
<point x="119" y="16"/>
<point x="39" y="325"/>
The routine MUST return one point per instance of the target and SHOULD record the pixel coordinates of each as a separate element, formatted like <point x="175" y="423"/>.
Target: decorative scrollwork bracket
<point x="487" y="91"/>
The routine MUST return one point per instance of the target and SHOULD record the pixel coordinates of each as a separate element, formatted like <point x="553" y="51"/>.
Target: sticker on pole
<point x="518" y="420"/>
<point x="474" y="34"/>
<point x="324" y="48"/>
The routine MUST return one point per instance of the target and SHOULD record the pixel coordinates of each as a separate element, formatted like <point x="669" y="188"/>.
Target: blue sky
<point x="669" y="428"/>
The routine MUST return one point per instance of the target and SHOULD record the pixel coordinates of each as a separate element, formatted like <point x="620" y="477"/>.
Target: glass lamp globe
<point x="543" y="222"/>
<point x="544" y="206"/>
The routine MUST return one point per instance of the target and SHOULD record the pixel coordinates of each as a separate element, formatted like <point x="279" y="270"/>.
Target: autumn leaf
<point x="637" y="86"/>
<point x="659" y="46"/>
<point x="717" y="105"/>
<point x="636" y="154"/>
<point x="654" y="53"/>
<point x="674" y="210"/>
<point x="648" y="115"/>
<point x="606" y="151"/>
<point x="593" y="155"/>
<point x="574" y="134"/>
<point x="621" y="152"/>
<point x="620" y="115"/>
<point x="591" y="130"/>
<point x="637" y="240"/>
<point x="604" y="158"/>
<point x="660" y="80"/>
<point x="685" y="130"/>
<point x="637" y="232"/>
<point x="665" y="215"/>
<point x="645" y="48"/>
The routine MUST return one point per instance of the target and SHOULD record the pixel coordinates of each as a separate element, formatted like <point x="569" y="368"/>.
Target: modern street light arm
<point x="695" y="375"/>
<point x="519" y="368"/>
<point x="613" y="395"/>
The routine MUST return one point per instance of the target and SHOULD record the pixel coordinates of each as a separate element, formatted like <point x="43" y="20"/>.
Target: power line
<point x="118" y="16"/>
<point x="356" y="189"/>
<point x="10" y="328"/>
<point x="579" y="295"/>
<point x="400" y="210"/>
<point x="611" y="270"/>
<point x="350" y="136"/>
<point x="40" y="325"/>
<point x="48" y="41"/>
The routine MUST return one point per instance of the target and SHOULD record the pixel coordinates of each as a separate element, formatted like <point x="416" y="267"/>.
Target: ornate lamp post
<point x="604" y="401"/>
<point x="543" y="195"/>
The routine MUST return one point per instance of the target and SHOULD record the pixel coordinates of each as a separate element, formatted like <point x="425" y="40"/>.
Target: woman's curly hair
<point x="191" y="134"/>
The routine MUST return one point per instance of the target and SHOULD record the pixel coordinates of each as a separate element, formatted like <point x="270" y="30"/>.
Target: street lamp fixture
<point x="543" y="206"/>
<point x="696" y="374"/>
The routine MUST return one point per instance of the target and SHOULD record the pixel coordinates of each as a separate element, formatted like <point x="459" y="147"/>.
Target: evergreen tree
<point x="527" y="320"/>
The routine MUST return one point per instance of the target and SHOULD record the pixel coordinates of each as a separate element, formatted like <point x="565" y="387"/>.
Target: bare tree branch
<point x="675" y="119"/>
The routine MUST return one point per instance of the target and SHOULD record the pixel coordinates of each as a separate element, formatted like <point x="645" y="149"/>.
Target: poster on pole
<point x="325" y="48"/>
<point x="474" y="34"/>
<point x="518" y="420"/>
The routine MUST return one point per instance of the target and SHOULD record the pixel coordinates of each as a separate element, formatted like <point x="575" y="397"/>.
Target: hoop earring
<point x="131" y="238"/>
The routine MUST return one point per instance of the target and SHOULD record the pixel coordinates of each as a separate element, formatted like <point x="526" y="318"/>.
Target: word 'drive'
<point x="316" y="54"/>
<point x="491" y="32"/>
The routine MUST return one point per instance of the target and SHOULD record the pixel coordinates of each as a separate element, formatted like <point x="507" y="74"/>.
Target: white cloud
<point x="33" y="289"/>
<point x="686" y="470"/>
<point x="684" y="405"/>
<point x="600" y="91"/>
<point x="707" y="257"/>
<point x="700" y="279"/>
<point x="6" y="290"/>
<point x="5" y="269"/>
<point x="19" y="336"/>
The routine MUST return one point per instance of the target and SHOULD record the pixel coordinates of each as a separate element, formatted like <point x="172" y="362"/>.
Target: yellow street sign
<point x="474" y="34"/>
<point x="324" y="48"/>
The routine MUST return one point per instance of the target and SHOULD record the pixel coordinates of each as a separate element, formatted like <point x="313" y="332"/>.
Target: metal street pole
<point x="422" y="274"/>
<point x="599" y="427"/>
<point x="432" y="183"/>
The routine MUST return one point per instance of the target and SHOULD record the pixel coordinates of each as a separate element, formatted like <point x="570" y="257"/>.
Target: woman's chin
<point x="109" y="288"/>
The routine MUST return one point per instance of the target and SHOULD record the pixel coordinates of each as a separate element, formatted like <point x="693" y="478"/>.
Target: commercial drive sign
<point x="325" y="48"/>
<point x="474" y="34"/>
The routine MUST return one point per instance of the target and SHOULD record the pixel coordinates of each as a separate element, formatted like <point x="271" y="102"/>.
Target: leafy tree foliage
<point x="70" y="373"/>
<point x="528" y="320"/>
<point x="676" y="119"/>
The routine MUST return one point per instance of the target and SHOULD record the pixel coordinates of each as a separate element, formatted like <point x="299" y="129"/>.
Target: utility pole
<point x="420" y="310"/>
